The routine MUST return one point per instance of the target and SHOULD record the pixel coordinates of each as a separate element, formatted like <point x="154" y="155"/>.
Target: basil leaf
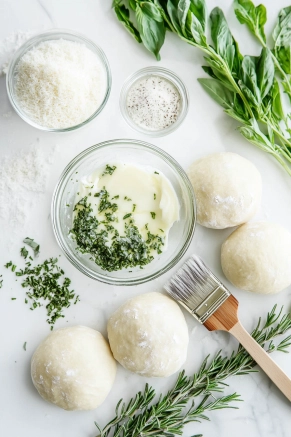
<point x="197" y="30"/>
<point x="254" y="17"/>
<point x="198" y="8"/>
<point x="249" y="94"/>
<point x="209" y="71"/>
<point x="238" y="111"/>
<point x="217" y="74"/>
<point x="277" y="107"/>
<point x="132" y="4"/>
<point x="223" y="40"/>
<point x="182" y="11"/>
<point x="218" y="92"/>
<point x="282" y="30"/>
<point x="283" y="55"/>
<point x="282" y="38"/>
<point x="122" y="14"/>
<point x="152" y="31"/>
<point x="220" y="32"/>
<point x="265" y="72"/>
<point x="248" y="84"/>
<point x="151" y="11"/>
<point x="173" y="14"/>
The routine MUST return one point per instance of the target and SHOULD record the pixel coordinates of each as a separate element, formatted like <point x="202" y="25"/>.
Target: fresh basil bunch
<point x="247" y="87"/>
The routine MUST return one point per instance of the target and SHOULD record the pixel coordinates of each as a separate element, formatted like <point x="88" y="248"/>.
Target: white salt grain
<point x="9" y="45"/>
<point x="23" y="178"/>
<point x="60" y="83"/>
<point x="153" y="103"/>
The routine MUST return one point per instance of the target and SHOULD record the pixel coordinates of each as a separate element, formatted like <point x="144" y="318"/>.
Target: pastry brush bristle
<point x="194" y="284"/>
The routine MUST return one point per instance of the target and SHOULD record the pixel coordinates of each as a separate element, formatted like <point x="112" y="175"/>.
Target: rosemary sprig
<point x="141" y="417"/>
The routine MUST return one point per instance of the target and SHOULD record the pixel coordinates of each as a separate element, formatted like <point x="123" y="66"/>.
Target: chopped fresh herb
<point x="115" y="197"/>
<point x="47" y="285"/>
<point x="108" y="249"/>
<point x="157" y="172"/>
<point x="68" y="205"/>
<point x="153" y="214"/>
<point x="146" y="226"/>
<point x="24" y="345"/>
<point x="127" y="215"/>
<point x="31" y="243"/>
<point x="133" y="207"/>
<point x="109" y="170"/>
<point x="104" y="201"/>
<point x="1" y="282"/>
<point x="155" y="196"/>
<point x="7" y="265"/>
<point x="162" y="230"/>
<point x="24" y="252"/>
<point x="127" y="198"/>
<point x="13" y="267"/>
<point x="13" y="298"/>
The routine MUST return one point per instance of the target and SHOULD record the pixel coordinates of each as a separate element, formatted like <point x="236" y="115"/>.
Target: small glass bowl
<point x="173" y="79"/>
<point x="136" y="152"/>
<point x="47" y="36"/>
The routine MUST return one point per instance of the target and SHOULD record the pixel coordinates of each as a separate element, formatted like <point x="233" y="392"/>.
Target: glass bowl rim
<point x="38" y="38"/>
<point x="172" y="77"/>
<point x="58" y="192"/>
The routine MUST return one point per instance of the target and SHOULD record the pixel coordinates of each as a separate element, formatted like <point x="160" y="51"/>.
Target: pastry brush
<point x="198" y="290"/>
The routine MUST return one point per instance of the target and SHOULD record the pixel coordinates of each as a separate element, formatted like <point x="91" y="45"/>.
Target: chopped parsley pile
<point x="46" y="282"/>
<point x="99" y="238"/>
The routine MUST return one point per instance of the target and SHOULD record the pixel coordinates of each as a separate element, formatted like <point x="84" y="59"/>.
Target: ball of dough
<point x="257" y="257"/>
<point x="73" y="368"/>
<point x="149" y="335"/>
<point x="228" y="190"/>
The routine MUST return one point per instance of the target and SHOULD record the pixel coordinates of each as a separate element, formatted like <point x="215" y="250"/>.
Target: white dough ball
<point x="257" y="257"/>
<point x="228" y="190"/>
<point x="73" y="368"/>
<point x="149" y="335"/>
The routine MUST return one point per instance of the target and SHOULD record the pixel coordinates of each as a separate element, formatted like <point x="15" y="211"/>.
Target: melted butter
<point x="143" y="192"/>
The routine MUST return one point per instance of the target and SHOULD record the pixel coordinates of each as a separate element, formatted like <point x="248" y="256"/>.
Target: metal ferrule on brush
<point x="196" y="288"/>
<point x="210" y="304"/>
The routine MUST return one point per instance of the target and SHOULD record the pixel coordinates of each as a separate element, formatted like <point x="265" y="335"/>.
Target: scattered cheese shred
<point x="60" y="83"/>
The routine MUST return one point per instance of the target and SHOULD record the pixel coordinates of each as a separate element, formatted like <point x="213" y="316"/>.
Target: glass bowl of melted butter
<point x="123" y="212"/>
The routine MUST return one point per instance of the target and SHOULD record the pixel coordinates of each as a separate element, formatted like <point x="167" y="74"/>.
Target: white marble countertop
<point x="264" y="412"/>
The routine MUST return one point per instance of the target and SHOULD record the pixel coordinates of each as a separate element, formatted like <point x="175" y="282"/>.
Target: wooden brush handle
<point x="262" y="359"/>
<point x="225" y="318"/>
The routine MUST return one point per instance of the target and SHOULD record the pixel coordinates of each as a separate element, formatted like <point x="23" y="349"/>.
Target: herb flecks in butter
<point x="109" y="170"/>
<point x="108" y="249"/>
<point x="111" y="208"/>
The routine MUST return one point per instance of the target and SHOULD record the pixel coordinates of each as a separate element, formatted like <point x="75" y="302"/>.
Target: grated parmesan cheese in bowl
<point x="58" y="81"/>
